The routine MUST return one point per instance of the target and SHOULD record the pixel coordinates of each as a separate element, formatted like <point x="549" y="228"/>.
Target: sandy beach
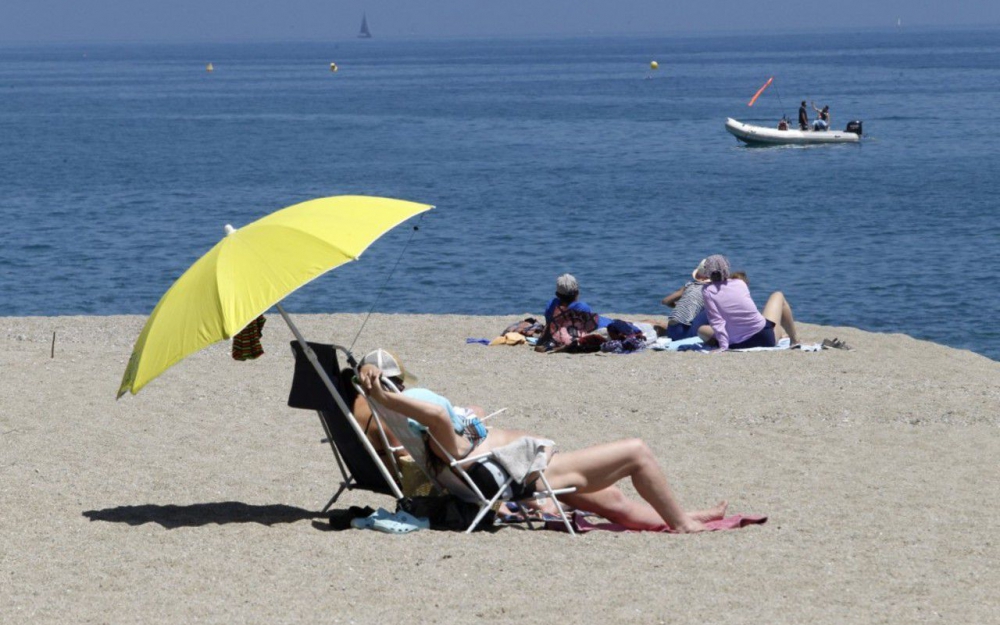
<point x="198" y="499"/>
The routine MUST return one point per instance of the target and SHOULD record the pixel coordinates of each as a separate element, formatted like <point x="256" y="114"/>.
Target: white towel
<point x="523" y="457"/>
<point x="784" y="343"/>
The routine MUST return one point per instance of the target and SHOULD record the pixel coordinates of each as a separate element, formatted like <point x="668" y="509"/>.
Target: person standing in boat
<point x="823" y="119"/>
<point x="803" y="117"/>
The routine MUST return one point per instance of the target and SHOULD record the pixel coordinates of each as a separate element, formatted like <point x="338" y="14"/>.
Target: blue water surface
<point x="119" y="166"/>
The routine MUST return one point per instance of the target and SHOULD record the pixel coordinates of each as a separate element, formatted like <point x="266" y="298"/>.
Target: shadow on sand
<point x="198" y="514"/>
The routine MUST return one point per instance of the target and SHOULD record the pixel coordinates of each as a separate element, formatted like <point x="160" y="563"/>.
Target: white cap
<point x="390" y="366"/>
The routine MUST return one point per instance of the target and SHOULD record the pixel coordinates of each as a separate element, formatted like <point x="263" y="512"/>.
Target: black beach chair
<point x="360" y="465"/>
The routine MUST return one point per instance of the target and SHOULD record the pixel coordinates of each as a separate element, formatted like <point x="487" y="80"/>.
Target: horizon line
<point x="414" y="37"/>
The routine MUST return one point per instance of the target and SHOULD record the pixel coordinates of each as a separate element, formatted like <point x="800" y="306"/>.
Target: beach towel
<point x="523" y="457"/>
<point x="690" y="344"/>
<point x="582" y="523"/>
<point x="784" y="343"/>
<point x="511" y="338"/>
<point x="246" y="343"/>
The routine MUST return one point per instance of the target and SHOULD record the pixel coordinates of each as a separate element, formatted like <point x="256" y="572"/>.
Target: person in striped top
<point x="688" y="312"/>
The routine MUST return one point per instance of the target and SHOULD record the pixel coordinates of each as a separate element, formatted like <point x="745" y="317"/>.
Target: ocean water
<point x="119" y="166"/>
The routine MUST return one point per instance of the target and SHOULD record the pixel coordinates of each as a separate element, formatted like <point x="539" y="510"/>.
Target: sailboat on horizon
<point x="364" y="33"/>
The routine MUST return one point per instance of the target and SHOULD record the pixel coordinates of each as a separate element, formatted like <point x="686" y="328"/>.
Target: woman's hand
<point x="370" y="378"/>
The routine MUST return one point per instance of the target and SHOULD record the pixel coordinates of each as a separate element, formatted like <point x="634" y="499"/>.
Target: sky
<point x="44" y="21"/>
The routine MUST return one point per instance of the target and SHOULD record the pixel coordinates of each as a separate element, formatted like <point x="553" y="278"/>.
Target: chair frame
<point x="349" y="482"/>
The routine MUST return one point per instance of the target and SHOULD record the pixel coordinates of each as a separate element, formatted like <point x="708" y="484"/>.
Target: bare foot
<point x="691" y="527"/>
<point x="712" y="514"/>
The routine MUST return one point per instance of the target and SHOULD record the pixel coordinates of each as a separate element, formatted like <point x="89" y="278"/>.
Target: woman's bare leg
<point x="596" y="468"/>
<point x="777" y="311"/>
<point x="612" y="504"/>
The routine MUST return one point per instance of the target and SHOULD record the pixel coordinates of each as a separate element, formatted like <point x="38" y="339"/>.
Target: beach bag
<point x="446" y="512"/>
<point x="628" y="345"/>
<point x="619" y="330"/>
<point x="527" y="327"/>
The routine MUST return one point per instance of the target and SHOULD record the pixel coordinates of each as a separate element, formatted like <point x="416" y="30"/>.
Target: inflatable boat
<point x="761" y="135"/>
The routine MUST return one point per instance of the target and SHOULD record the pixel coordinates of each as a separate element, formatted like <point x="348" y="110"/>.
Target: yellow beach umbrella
<point x="252" y="269"/>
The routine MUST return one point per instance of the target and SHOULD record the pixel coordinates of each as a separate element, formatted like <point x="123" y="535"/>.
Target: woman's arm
<point x="434" y="417"/>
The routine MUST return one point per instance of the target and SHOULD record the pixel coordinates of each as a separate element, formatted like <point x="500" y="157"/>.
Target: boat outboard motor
<point x="854" y="126"/>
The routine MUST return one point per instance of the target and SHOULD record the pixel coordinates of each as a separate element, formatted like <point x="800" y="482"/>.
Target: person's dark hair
<point x="803" y="102"/>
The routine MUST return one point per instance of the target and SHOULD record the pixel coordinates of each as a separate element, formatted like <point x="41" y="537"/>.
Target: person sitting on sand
<point x="734" y="322"/>
<point x="568" y="295"/>
<point x="688" y="312"/>
<point x="594" y="471"/>
<point x="567" y="319"/>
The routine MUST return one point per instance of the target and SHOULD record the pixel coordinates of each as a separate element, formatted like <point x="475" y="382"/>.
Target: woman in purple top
<point x="732" y="315"/>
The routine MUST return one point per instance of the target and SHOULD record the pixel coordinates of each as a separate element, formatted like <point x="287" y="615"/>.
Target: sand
<point x="197" y="500"/>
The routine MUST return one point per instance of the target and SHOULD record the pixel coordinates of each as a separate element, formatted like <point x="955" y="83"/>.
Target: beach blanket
<point x="582" y="523"/>
<point x="784" y="343"/>
<point x="664" y="344"/>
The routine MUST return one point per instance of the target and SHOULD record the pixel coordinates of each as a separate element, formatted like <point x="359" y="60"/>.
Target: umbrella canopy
<point x="252" y="269"/>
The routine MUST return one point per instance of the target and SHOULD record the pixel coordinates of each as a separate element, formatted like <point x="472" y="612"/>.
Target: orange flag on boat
<point x="760" y="91"/>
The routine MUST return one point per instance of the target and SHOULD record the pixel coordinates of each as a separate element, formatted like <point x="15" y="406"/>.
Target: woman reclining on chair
<point x="594" y="471"/>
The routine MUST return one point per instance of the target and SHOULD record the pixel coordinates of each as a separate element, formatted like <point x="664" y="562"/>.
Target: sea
<point x="120" y="164"/>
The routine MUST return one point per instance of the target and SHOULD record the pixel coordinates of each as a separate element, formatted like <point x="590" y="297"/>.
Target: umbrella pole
<point x="311" y="355"/>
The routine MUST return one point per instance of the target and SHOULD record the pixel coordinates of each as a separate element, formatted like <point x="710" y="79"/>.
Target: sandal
<point x="836" y="344"/>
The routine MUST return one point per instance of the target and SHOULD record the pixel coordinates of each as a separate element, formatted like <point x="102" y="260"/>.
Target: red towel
<point x="246" y="344"/>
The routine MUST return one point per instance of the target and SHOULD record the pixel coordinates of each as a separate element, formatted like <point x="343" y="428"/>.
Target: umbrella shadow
<point x="198" y="514"/>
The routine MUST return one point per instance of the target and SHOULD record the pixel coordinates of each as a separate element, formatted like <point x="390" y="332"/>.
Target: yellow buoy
<point x="333" y="67"/>
<point x="209" y="68"/>
<point x="654" y="65"/>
